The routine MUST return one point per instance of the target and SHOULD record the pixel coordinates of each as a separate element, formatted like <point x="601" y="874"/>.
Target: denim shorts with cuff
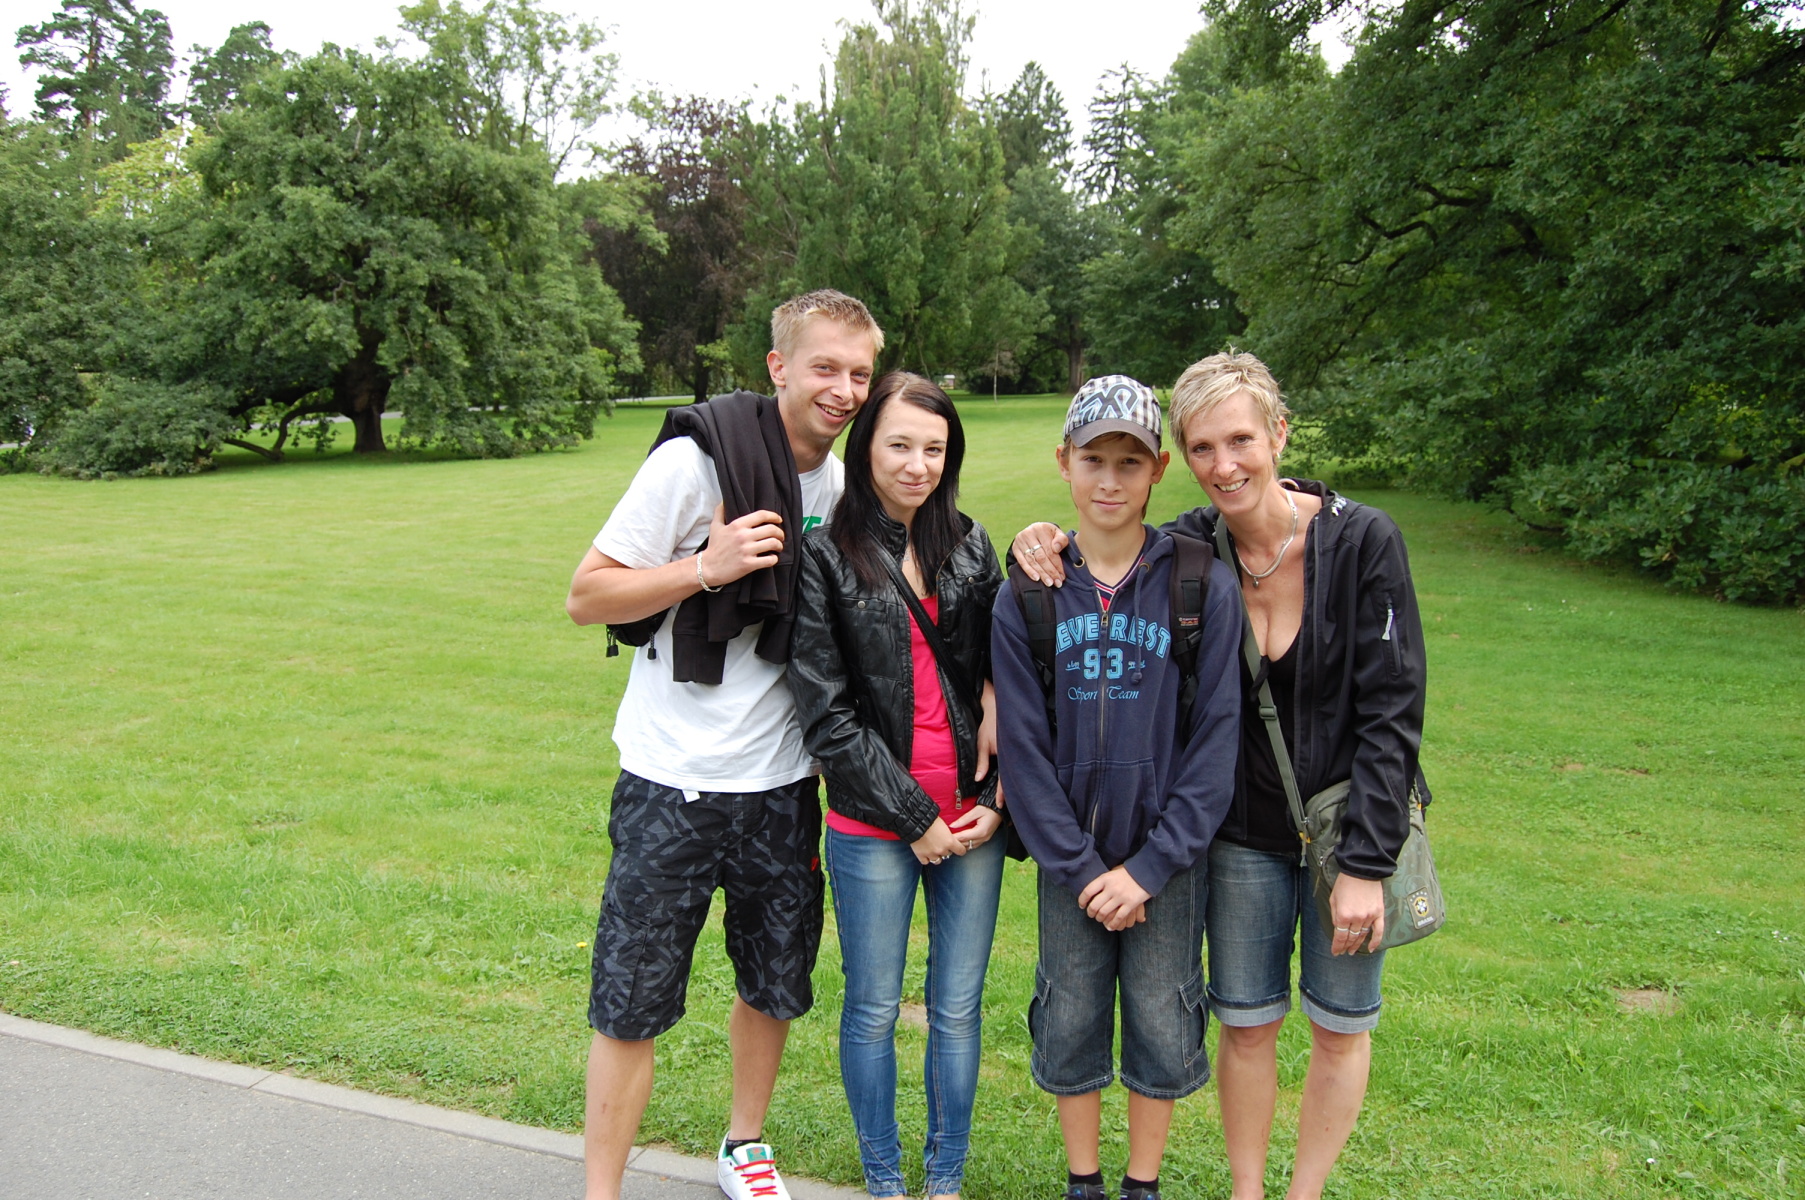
<point x="670" y="854"/>
<point x="1258" y="903"/>
<point x="1157" y="966"/>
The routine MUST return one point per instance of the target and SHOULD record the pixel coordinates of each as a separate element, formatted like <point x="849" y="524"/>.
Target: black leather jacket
<point x="1361" y="678"/>
<point x="853" y="677"/>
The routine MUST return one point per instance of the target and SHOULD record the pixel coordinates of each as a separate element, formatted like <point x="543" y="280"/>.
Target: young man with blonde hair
<point x="716" y="789"/>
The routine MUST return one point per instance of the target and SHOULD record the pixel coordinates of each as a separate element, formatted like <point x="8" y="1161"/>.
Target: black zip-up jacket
<point x="1361" y="678"/>
<point x="854" y="679"/>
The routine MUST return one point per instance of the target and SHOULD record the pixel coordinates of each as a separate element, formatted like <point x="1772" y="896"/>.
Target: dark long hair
<point x="935" y="530"/>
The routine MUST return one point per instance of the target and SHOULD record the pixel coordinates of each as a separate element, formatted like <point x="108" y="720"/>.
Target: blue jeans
<point x="874" y="883"/>
<point x="1156" y="966"/>
<point x="1258" y="902"/>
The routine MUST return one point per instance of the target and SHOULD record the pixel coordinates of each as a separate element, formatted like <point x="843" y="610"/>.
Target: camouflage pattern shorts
<point x="669" y="857"/>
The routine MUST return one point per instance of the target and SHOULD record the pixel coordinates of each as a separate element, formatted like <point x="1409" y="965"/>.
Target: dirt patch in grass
<point x="1647" y="1000"/>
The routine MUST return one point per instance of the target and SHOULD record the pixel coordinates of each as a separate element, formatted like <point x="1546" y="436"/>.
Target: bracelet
<point x="702" y="581"/>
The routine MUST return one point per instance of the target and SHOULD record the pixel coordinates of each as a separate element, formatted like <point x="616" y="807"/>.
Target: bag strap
<point x="1189" y="584"/>
<point x="1269" y="712"/>
<point x="1036" y="602"/>
<point x="930" y="633"/>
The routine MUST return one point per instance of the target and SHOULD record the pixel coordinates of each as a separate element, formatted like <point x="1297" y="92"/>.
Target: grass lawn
<point x="302" y="765"/>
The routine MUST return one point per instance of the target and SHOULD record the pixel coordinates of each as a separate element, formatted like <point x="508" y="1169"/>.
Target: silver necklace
<point x="1256" y="576"/>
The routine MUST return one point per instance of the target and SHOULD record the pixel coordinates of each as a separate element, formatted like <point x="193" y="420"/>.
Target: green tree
<point x="219" y="77"/>
<point x="358" y="255"/>
<point x="1061" y="233"/>
<point x="1031" y="123"/>
<point x="1538" y="254"/>
<point x="683" y="275"/>
<point x="1154" y="303"/>
<point x="62" y="276"/>
<point x="891" y="188"/>
<point x="105" y="69"/>
<point x="517" y="73"/>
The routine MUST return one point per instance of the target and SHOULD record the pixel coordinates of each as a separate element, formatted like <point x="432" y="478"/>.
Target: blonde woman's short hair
<point x="1207" y="382"/>
<point x="790" y="318"/>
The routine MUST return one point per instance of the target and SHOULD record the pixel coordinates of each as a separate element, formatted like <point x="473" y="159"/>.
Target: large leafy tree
<point x="891" y="187"/>
<point x="104" y="70"/>
<point x="357" y="254"/>
<point x="1541" y="254"/>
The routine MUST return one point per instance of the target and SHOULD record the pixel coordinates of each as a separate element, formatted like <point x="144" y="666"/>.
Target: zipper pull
<point x="1386" y="636"/>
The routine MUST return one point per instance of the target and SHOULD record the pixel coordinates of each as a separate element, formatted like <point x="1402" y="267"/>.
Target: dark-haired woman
<point x="906" y="739"/>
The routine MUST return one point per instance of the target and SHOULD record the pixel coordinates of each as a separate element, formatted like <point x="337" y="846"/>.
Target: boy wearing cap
<point x="1115" y="801"/>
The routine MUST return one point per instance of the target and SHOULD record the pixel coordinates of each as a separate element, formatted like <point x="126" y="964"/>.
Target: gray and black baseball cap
<point x="1113" y="404"/>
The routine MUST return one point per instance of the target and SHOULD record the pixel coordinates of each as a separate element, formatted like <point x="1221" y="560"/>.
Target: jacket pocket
<point x="1118" y="803"/>
<point x="868" y="629"/>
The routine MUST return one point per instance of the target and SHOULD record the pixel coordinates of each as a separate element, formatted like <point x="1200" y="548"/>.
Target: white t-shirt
<point x="740" y="735"/>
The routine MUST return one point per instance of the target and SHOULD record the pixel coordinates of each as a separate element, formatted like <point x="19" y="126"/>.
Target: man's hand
<point x="1036" y="551"/>
<point x="1115" y="899"/>
<point x="739" y="547"/>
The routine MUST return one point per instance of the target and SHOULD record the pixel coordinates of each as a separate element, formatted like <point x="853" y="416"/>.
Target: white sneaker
<point x="750" y="1173"/>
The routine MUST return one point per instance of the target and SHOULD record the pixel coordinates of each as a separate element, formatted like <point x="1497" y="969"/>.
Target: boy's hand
<point x="1115" y="899"/>
<point x="987" y="732"/>
<point x="1036" y="551"/>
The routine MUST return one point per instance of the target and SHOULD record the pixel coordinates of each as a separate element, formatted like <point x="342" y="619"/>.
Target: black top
<point x="1269" y="826"/>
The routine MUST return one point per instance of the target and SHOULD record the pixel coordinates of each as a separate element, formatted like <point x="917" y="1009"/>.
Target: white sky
<point x="727" y="49"/>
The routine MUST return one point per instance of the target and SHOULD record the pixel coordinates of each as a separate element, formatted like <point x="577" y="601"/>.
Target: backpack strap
<point x="1190" y="587"/>
<point x="1036" y="602"/>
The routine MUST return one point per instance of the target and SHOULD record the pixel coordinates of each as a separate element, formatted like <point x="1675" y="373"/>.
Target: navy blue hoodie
<point x="1118" y="786"/>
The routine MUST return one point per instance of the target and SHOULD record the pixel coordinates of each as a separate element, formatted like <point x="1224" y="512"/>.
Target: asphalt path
<point x="83" y="1116"/>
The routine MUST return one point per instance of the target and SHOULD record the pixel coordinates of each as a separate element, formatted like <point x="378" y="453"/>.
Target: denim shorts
<point x="1258" y="902"/>
<point x="1158" y="967"/>
<point x="670" y="854"/>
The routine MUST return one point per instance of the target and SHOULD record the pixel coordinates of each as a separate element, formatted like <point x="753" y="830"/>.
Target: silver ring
<point x="1037" y="550"/>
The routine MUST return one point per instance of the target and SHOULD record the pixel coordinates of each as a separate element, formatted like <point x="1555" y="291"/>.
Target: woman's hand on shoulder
<point x="1036" y="551"/>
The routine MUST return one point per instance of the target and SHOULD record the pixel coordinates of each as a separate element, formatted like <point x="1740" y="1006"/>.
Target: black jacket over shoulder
<point x="1361" y="678"/>
<point x="744" y="435"/>
<point x="854" y="679"/>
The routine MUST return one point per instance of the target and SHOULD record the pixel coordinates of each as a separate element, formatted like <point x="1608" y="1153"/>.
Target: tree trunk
<point x="701" y="377"/>
<point x="362" y="391"/>
<point x="1074" y="366"/>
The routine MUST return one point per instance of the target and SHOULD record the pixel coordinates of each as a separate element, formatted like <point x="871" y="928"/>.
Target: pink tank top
<point x="933" y="762"/>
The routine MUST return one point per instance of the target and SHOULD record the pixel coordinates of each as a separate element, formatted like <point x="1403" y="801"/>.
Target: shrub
<point x="137" y="427"/>
<point x="1737" y="533"/>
